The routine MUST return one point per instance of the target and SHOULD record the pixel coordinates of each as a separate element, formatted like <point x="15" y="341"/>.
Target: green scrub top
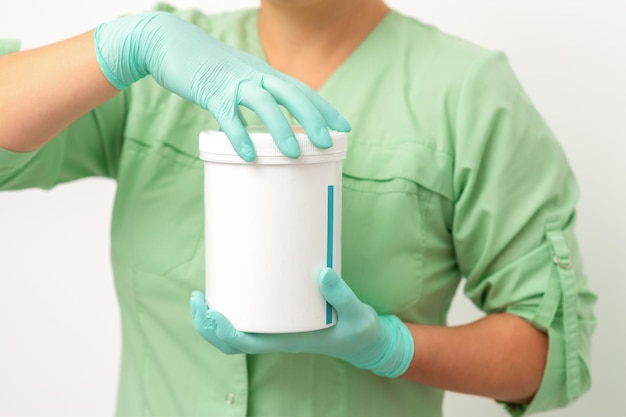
<point x="450" y="174"/>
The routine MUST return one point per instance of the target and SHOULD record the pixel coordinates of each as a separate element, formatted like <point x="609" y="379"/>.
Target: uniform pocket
<point x="158" y="217"/>
<point x="386" y="197"/>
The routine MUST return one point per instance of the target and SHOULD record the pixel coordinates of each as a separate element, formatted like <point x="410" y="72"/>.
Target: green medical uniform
<point x="451" y="176"/>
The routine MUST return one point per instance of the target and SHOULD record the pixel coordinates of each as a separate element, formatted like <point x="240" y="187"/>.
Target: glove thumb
<point x="339" y="295"/>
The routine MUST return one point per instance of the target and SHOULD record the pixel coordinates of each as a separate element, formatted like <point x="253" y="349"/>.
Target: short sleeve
<point x="12" y="161"/>
<point x="89" y="147"/>
<point x="514" y="219"/>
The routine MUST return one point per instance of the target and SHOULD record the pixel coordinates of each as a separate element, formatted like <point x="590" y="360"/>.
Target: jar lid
<point x="215" y="147"/>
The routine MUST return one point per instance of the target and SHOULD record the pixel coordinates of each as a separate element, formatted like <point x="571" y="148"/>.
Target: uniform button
<point x="230" y="398"/>
<point x="563" y="263"/>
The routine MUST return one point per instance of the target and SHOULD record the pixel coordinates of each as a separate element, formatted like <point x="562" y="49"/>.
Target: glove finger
<point x="238" y="136"/>
<point x="205" y="326"/>
<point x="331" y="116"/>
<point x="339" y="295"/>
<point x="263" y="104"/>
<point x="305" y="112"/>
<point x="198" y="307"/>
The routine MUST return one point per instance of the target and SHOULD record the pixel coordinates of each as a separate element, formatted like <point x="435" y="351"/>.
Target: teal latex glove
<point x="187" y="61"/>
<point x="380" y="343"/>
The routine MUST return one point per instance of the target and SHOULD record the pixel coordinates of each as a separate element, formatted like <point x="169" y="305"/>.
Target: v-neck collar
<point x="254" y="46"/>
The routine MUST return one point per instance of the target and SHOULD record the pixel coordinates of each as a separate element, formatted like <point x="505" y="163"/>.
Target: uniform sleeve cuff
<point x="550" y="394"/>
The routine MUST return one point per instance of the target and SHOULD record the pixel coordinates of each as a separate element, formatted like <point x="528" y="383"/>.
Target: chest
<point x="395" y="243"/>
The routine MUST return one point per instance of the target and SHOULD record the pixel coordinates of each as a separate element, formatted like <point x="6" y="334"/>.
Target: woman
<point x="450" y="173"/>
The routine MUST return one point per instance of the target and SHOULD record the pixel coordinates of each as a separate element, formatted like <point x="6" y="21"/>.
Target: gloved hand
<point x="381" y="344"/>
<point x="187" y="61"/>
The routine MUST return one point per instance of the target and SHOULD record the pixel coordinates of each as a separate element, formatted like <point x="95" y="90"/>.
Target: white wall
<point x="59" y="343"/>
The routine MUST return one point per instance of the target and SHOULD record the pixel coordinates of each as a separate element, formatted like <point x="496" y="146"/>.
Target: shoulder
<point x="435" y="69"/>
<point x="428" y="50"/>
<point x="443" y="67"/>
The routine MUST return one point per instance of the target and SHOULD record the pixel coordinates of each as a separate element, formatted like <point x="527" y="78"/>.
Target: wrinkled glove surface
<point x="187" y="61"/>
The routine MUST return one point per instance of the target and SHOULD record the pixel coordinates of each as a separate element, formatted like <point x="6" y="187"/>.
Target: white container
<point x="271" y="226"/>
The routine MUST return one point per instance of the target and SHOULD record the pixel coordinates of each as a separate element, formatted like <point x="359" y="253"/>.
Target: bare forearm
<point x="500" y="356"/>
<point x="46" y="89"/>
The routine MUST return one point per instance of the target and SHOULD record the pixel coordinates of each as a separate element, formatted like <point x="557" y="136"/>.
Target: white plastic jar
<point x="271" y="226"/>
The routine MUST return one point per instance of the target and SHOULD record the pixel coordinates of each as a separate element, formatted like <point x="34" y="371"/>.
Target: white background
<point x="59" y="337"/>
